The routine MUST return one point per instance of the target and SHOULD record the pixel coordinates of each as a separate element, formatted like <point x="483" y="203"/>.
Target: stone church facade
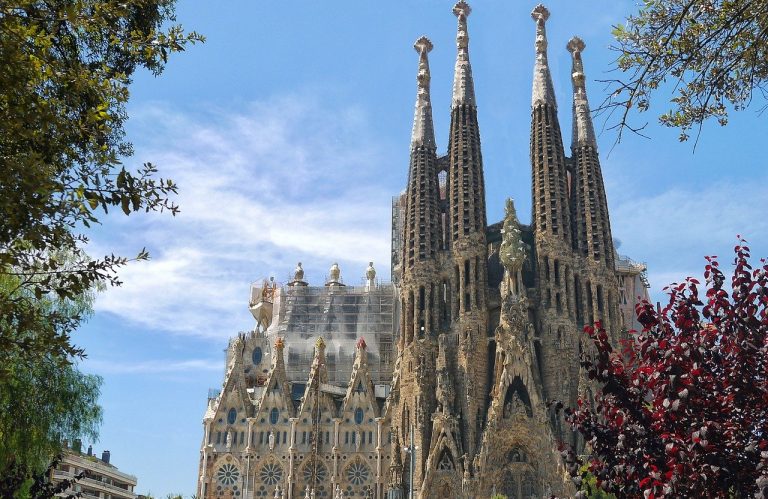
<point x="436" y="384"/>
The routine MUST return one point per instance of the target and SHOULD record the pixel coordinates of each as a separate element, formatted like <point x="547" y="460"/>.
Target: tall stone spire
<point x="592" y="227"/>
<point x="551" y="210"/>
<point x="421" y="238"/>
<point x="583" y="130"/>
<point x="466" y="226"/>
<point x="423" y="130"/>
<point x="463" y="86"/>
<point x="542" y="80"/>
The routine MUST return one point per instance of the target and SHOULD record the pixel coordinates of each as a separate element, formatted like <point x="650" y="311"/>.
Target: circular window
<point x="231" y="416"/>
<point x="357" y="473"/>
<point x="358" y="415"/>
<point x="319" y="472"/>
<point x="228" y="474"/>
<point x="274" y="415"/>
<point x="256" y="356"/>
<point x="271" y="473"/>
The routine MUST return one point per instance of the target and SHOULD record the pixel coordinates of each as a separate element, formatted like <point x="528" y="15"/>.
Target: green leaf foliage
<point x="67" y="65"/>
<point x="64" y="86"/>
<point x="710" y="54"/>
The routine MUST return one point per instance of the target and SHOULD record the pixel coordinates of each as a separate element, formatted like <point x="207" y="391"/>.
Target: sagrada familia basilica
<point x="435" y="385"/>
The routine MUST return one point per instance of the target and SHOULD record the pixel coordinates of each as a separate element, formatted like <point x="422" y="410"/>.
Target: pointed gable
<point x="276" y="394"/>
<point x="360" y="391"/>
<point x="318" y="376"/>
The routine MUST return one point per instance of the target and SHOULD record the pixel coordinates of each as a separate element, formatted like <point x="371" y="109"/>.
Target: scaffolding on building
<point x="340" y="315"/>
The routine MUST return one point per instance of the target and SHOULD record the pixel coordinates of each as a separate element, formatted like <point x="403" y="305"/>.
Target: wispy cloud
<point x="674" y="229"/>
<point x="154" y="367"/>
<point x="260" y="189"/>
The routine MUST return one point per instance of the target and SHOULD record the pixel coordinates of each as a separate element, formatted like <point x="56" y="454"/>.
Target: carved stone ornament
<point x="512" y="250"/>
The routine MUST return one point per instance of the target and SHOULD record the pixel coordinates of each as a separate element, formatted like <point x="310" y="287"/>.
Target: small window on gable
<point x="274" y="415"/>
<point x="256" y="356"/>
<point x="232" y="416"/>
<point x="358" y="416"/>
<point x="360" y="388"/>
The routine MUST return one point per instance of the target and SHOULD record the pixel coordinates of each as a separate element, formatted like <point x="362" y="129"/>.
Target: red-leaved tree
<point x="683" y="410"/>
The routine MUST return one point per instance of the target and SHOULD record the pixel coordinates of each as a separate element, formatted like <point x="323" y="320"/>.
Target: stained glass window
<point x="320" y="475"/>
<point x="231" y="416"/>
<point x="358" y="415"/>
<point x="274" y="415"/>
<point x="256" y="357"/>
<point x="358" y="473"/>
<point x="271" y="473"/>
<point x="228" y="474"/>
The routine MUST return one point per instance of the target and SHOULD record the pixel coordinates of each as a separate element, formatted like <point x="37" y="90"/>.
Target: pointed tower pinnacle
<point x="423" y="129"/>
<point x="591" y="221"/>
<point x="361" y="357"/>
<point x="543" y="91"/>
<point x="583" y="130"/>
<point x="463" y="86"/>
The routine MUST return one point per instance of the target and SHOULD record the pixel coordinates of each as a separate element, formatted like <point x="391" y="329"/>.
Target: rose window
<point x="357" y="473"/>
<point x="271" y="473"/>
<point x="228" y="474"/>
<point x="319" y="473"/>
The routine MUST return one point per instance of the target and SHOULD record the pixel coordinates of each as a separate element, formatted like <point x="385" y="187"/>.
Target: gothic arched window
<point x="358" y="416"/>
<point x="232" y="416"/>
<point x="274" y="415"/>
<point x="256" y="356"/>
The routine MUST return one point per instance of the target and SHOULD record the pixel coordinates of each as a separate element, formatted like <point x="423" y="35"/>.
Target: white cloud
<point x="154" y="366"/>
<point x="276" y="183"/>
<point x="675" y="229"/>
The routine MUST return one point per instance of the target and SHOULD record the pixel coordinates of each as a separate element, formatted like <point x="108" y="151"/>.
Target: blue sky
<point x="288" y="133"/>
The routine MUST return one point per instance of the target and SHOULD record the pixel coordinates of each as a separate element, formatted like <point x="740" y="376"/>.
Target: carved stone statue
<point x="229" y="439"/>
<point x="357" y="440"/>
<point x="306" y="493"/>
<point x="370" y="272"/>
<point x="298" y="274"/>
<point x="271" y="440"/>
<point x="515" y="407"/>
<point x="334" y="273"/>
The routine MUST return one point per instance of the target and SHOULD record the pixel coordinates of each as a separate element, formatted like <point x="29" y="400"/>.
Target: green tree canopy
<point x="711" y="54"/>
<point x="66" y="66"/>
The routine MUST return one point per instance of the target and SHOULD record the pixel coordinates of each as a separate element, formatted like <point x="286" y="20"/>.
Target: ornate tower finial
<point x="279" y="343"/>
<point x="542" y="80"/>
<point x="320" y="343"/>
<point x="361" y="344"/>
<point x="423" y="129"/>
<point x="583" y="129"/>
<point x="463" y="86"/>
<point x="298" y="276"/>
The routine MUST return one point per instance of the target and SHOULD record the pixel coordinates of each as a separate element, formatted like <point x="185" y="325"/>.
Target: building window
<point x="274" y="415"/>
<point x="228" y="475"/>
<point x="358" y="415"/>
<point x="256" y="356"/>
<point x="232" y="416"/>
